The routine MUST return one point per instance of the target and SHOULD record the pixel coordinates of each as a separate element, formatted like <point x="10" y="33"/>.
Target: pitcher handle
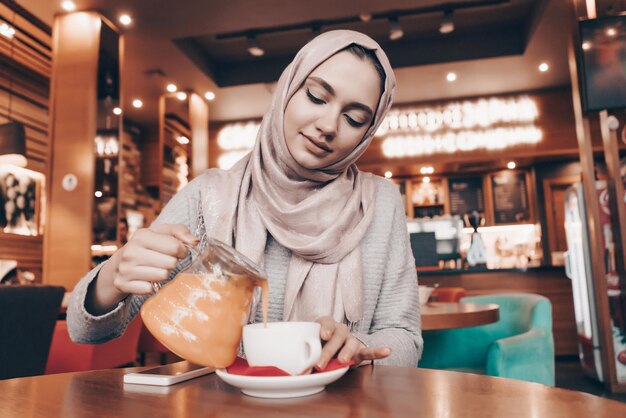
<point x="156" y="286"/>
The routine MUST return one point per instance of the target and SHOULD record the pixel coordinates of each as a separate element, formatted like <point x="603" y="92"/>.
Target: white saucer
<point x="281" y="386"/>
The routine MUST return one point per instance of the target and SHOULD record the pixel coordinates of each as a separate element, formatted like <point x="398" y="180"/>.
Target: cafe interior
<point x="506" y="141"/>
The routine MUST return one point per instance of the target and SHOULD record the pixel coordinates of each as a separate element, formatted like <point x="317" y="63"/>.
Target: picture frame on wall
<point x="21" y="200"/>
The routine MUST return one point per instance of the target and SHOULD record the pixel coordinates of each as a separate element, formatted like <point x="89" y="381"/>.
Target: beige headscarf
<point x="320" y="215"/>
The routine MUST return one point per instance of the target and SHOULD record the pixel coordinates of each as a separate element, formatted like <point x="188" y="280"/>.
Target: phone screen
<point x="172" y="369"/>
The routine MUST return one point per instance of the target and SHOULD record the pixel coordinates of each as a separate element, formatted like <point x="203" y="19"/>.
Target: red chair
<point x="448" y="294"/>
<point x="67" y="356"/>
<point x="149" y="344"/>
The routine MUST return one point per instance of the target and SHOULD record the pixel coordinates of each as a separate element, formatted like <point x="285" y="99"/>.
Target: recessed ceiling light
<point x="7" y="30"/>
<point x="543" y="67"/>
<point x="182" y="140"/>
<point x="137" y="103"/>
<point x="254" y="48"/>
<point x="125" y="20"/>
<point x="181" y="95"/>
<point x="68" y="6"/>
<point x="611" y="32"/>
<point x="98" y="193"/>
<point x="365" y="17"/>
<point x="395" y="29"/>
<point x="511" y="165"/>
<point x="586" y="45"/>
<point x="117" y="111"/>
<point x="209" y="95"/>
<point x="447" y="23"/>
<point x="388" y="174"/>
<point x="451" y="77"/>
<point x="171" y="87"/>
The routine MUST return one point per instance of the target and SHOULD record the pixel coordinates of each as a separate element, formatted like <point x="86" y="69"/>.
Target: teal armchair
<point x="519" y="346"/>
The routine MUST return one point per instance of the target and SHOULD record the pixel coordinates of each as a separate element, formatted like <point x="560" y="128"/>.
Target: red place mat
<point x="241" y="367"/>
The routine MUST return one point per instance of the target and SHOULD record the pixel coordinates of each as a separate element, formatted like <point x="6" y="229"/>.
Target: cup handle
<point x="315" y="351"/>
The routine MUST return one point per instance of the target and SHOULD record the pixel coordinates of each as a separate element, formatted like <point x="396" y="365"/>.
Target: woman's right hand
<point x="147" y="257"/>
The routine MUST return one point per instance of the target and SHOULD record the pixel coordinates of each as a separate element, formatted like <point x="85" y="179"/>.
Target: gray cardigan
<point x="391" y="309"/>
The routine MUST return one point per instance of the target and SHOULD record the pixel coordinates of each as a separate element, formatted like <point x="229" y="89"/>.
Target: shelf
<point x="435" y="205"/>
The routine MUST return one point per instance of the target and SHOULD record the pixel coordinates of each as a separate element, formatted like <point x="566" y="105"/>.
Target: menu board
<point x="466" y="194"/>
<point x="510" y="197"/>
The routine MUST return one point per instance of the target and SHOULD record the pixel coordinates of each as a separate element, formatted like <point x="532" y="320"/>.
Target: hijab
<point x="320" y="215"/>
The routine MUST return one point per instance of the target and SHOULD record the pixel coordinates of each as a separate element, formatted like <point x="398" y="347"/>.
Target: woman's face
<point x="329" y="114"/>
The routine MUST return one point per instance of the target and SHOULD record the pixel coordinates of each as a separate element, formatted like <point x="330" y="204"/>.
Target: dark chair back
<point x="28" y="314"/>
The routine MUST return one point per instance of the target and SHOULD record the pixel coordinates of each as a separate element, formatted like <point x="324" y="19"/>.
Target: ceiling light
<point x="254" y="48"/>
<point x="98" y="193"/>
<point x="395" y="29"/>
<point x="7" y="30"/>
<point x="543" y="67"/>
<point x="171" y="87"/>
<point x="125" y="20"/>
<point x="137" y="103"/>
<point x="209" y="95"/>
<point x="183" y="140"/>
<point x="586" y="45"/>
<point x="426" y="179"/>
<point x="68" y="6"/>
<point x="388" y="174"/>
<point x="611" y="32"/>
<point x="117" y="111"/>
<point x="427" y="170"/>
<point x="365" y="17"/>
<point x="447" y="23"/>
<point x="181" y="95"/>
<point x="451" y="77"/>
<point x="511" y="165"/>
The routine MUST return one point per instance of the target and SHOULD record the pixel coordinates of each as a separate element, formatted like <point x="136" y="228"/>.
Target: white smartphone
<point x="169" y="374"/>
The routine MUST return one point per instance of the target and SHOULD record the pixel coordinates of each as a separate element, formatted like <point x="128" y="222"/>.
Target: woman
<point x="332" y="240"/>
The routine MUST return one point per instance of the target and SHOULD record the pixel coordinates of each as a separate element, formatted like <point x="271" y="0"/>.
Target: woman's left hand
<point x="338" y="340"/>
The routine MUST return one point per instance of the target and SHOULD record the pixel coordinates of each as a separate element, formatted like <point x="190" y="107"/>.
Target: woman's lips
<point x="316" y="147"/>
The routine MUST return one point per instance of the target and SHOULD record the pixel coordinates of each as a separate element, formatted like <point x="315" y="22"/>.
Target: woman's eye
<point x="313" y="98"/>
<point x="354" y="123"/>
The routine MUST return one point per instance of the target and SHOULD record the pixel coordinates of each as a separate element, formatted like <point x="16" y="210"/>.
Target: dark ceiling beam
<point x="197" y="55"/>
<point x="487" y="44"/>
<point x="352" y="19"/>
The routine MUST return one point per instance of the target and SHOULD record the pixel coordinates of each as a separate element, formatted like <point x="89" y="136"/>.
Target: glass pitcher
<point x="200" y="313"/>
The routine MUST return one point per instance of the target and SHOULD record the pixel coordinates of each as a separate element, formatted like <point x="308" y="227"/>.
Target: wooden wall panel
<point x="25" y="65"/>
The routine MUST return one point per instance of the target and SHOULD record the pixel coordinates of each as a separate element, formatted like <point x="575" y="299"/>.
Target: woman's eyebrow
<point x="324" y="84"/>
<point x="330" y="90"/>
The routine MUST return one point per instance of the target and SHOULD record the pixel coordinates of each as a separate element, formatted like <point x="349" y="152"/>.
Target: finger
<point x="333" y="345"/>
<point x="349" y="350"/>
<point x="140" y="256"/>
<point x="327" y="327"/>
<point x="159" y="242"/>
<point x="144" y="273"/>
<point x="137" y="287"/>
<point x="374" y="353"/>
<point x="178" y="231"/>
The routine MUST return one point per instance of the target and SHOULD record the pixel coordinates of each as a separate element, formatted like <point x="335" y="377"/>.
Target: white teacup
<point x="294" y="347"/>
<point x="424" y="294"/>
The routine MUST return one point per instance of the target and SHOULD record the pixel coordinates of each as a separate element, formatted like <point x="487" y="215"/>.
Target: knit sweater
<point x="391" y="307"/>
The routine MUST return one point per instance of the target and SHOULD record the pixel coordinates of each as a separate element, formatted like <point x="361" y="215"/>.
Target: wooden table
<point x="447" y="315"/>
<point x="370" y="391"/>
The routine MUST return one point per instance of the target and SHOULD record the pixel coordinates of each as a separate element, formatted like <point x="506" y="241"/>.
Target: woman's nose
<point x="326" y="124"/>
